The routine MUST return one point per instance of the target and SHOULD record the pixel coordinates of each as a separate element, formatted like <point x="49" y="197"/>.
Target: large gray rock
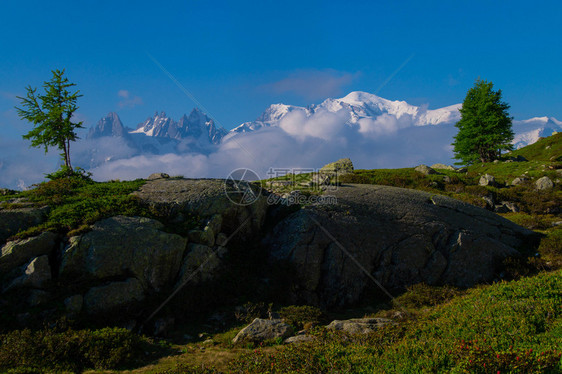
<point x="359" y="325"/>
<point x="263" y="329"/>
<point x="112" y="296"/>
<point x="544" y="183"/>
<point x="399" y="236"/>
<point x="18" y="252"/>
<point x="35" y="274"/>
<point x="13" y="221"/>
<point x="121" y="246"/>
<point x="242" y="207"/>
<point x="424" y="169"/>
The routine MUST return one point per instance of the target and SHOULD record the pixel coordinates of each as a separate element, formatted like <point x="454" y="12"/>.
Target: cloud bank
<point x="300" y="141"/>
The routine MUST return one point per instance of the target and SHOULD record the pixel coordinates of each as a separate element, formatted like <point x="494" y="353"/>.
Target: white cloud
<point x="300" y="141"/>
<point x="128" y="100"/>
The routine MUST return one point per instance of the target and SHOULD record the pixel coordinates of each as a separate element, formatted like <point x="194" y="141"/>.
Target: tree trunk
<point x="67" y="155"/>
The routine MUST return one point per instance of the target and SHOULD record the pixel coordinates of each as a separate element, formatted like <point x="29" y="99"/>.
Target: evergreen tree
<point x="51" y="115"/>
<point x="484" y="127"/>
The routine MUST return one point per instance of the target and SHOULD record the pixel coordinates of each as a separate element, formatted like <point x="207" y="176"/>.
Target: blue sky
<point x="237" y="57"/>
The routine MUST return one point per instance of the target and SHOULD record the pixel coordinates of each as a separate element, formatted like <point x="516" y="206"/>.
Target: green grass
<point x="75" y="204"/>
<point x="507" y="327"/>
<point x="546" y="149"/>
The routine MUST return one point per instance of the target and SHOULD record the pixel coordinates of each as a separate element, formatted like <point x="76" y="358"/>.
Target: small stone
<point x="359" y="325"/>
<point x="443" y="166"/>
<point x="299" y="339"/>
<point x="487" y="180"/>
<point x="517" y="181"/>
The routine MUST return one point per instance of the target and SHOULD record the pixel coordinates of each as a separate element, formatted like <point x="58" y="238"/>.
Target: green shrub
<point x="421" y="295"/>
<point x="250" y="311"/>
<point x="299" y="316"/>
<point x="506" y="327"/>
<point x="73" y="350"/>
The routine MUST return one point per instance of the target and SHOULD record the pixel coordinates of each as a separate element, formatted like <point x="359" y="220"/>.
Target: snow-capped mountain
<point x="530" y="130"/>
<point x="359" y="120"/>
<point x="109" y="125"/>
<point x="356" y="106"/>
<point x="197" y="125"/>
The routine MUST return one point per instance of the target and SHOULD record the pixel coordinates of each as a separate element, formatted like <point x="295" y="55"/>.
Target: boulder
<point x="443" y="167"/>
<point x="359" y="325"/>
<point x="519" y="180"/>
<point x="113" y="296"/>
<point x="425" y="170"/>
<point x="155" y="176"/>
<point x="340" y="167"/>
<point x="487" y="180"/>
<point x="263" y="329"/>
<point x="37" y="272"/>
<point x="399" y="236"/>
<point x="18" y="252"/>
<point x="242" y="208"/>
<point x="544" y="183"/>
<point x="13" y="221"/>
<point x="299" y="339"/>
<point x="121" y="246"/>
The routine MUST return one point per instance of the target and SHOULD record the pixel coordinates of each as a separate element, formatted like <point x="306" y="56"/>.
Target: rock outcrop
<point x="340" y="167"/>
<point x="121" y="246"/>
<point x="18" y="252"/>
<point x="398" y="236"/>
<point x="241" y="206"/>
<point x="425" y="170"/>
<point x="13" y="221"/>
<point x="264" y="329"/>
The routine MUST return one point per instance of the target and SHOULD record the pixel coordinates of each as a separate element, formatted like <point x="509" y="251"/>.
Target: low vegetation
<point x="75" y="203"/>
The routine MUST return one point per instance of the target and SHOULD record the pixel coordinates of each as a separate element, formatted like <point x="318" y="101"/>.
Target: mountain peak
<point x="110" y="125"/>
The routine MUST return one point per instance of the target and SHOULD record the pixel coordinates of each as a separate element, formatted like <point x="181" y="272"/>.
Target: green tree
<point x="484" y="127"/>
<point x="51" y="115"/>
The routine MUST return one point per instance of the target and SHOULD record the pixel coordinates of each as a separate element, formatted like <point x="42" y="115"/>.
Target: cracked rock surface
<point x="394" y="236"/>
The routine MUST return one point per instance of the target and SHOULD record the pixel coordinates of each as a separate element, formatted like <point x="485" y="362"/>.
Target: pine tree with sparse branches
<point x="484" y="127"/>
<point x="51" y="114"/>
